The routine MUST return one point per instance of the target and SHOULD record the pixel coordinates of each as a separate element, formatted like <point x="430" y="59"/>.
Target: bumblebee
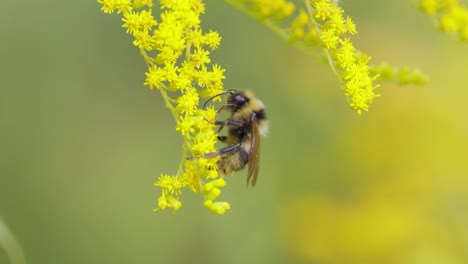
<point x="246" y="123"/>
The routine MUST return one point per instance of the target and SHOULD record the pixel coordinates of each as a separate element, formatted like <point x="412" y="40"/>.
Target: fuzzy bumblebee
<point x="246" y="124"/>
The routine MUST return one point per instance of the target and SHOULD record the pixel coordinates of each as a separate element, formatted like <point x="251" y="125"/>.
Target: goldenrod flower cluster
<point x="276" y="9"/>
<point x="449" y="16"/>
<point x="333" y="29"/>
<point x="324" y="25"/>
<point x="177" y="52"/>
<point x="402" y="76"/>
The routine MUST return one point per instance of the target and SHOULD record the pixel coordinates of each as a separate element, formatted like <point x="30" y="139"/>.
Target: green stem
<point x="149" y="61"/>
<point x="167" y="101"/>
<point x="182" y="161"/>
<point x="331" y="62"/>
<point x="10" y="245"/>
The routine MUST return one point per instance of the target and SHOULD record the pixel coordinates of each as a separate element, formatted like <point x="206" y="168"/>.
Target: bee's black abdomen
<point x="260" y="114"/>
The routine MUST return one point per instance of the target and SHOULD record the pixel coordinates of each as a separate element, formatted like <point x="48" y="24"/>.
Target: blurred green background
<point x="82" y="141"/>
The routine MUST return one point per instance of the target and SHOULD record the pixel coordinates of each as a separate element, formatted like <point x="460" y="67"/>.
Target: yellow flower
<point x="138" y="21"/>
<point x="350" y="26"/>
<point x="345" y="55"/>
<point x="167" y="55"/>
<point x="337" y="23"/>
<point x="448" y="23"/>
<point x="200" y="57"/>
<point x="140" y="3"/>
<point x="450" y="15"/>
<point x="213" y="81"/>
<point x="143" y="40"/>
<point x="217" y="207"/>
<point x="322" y="10"/>
<point x="123" y="6"/>
<point x="185" y="125"/>
<point x="212" y="39"/>
<point x="170" y="71"/>
<point x="155" y="77"/>
<point x="194" y="37"/>
<point x="177" y="183"/>
<point x="329" y="38"/>
<point x="108" y="6"/>
<point x="173" y="202"/>
<point x="164" y="182"/>
<point x="162" y="203"/>
<point x="131" y="22"/>
<point x="187" y="102"/>
<point x="429" y="6"/>
<point x="217" y="75"/>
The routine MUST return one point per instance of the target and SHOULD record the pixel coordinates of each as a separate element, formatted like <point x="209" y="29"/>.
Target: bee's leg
<point x="228" y="122"/>
<point x="224" y="107"/>
<point x="222" y="151"/>
<point x="222" y="138"/>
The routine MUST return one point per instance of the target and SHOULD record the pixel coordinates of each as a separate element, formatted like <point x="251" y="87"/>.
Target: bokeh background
<point x="82" y="141"/>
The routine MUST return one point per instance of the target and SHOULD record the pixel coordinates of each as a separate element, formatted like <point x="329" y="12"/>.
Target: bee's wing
<point x="254" y="153"/>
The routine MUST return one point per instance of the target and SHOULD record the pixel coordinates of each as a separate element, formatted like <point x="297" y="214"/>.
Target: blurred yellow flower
<point x="450" y="15"/>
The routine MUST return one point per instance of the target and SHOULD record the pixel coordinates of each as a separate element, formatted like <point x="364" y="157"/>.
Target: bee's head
<point x="237" y="100"/>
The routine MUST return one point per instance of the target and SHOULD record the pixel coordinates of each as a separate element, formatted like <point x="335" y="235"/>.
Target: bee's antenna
<point x="211" y="98"/>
